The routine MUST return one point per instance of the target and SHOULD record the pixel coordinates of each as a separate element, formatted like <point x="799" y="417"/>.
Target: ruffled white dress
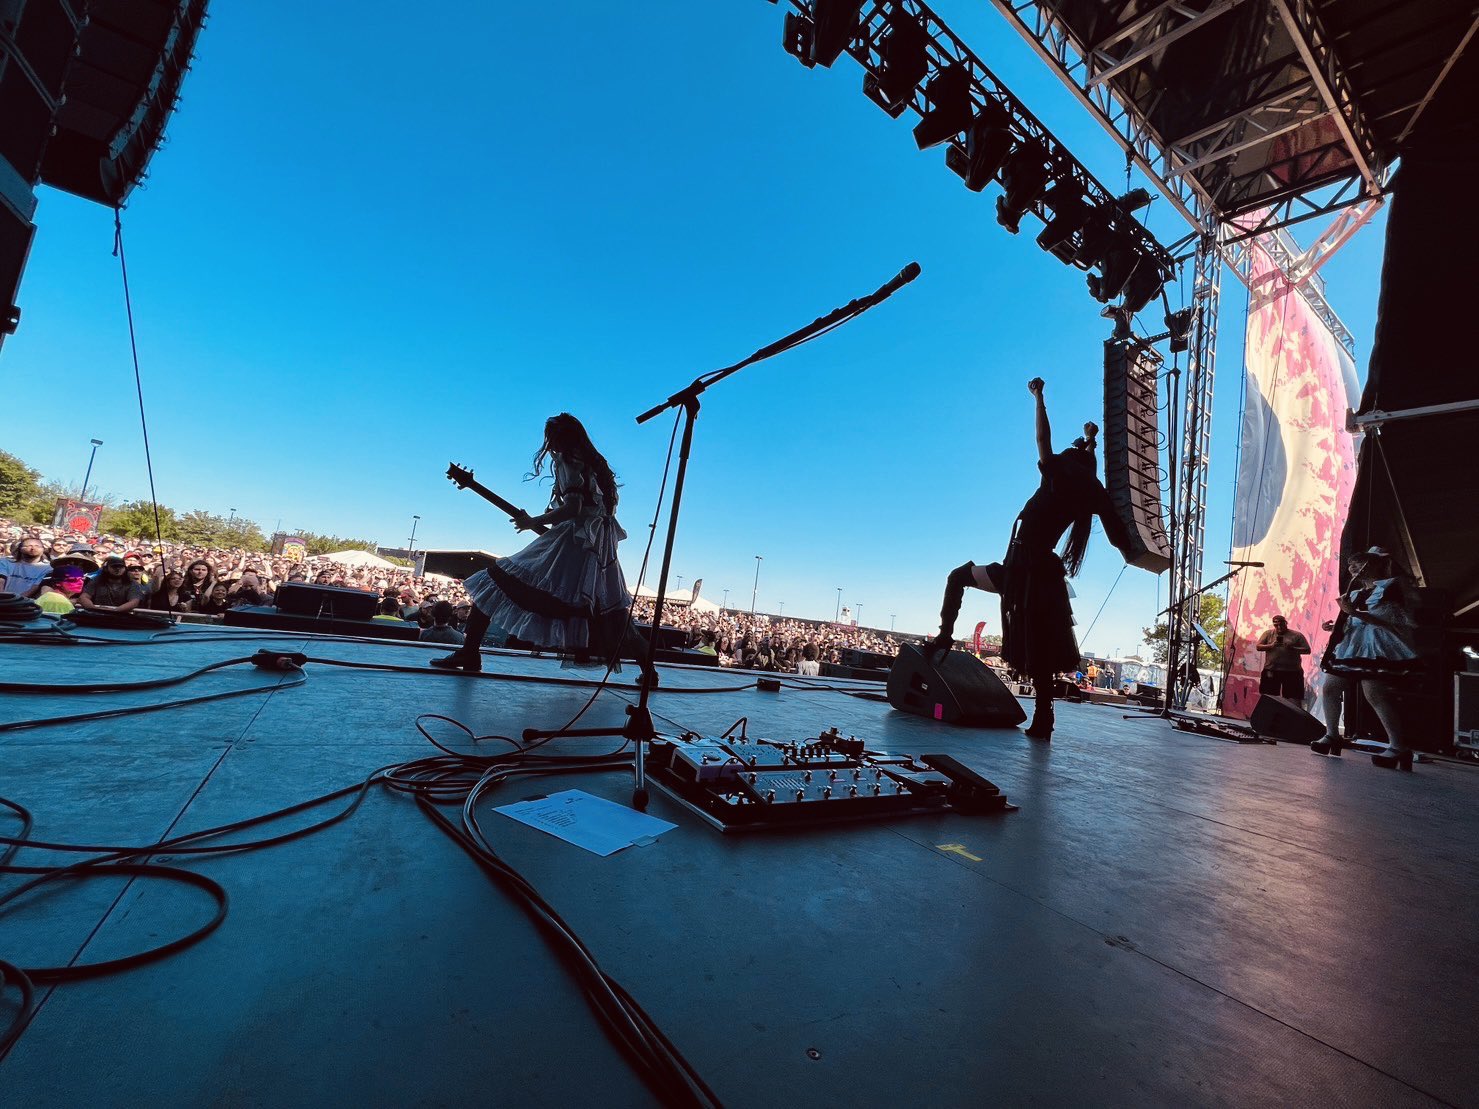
<point x="565" y="590"/>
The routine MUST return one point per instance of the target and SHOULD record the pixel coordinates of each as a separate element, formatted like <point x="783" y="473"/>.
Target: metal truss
<point x="946" y="49"/>
<point x="1197" y="171"/>
<point x="1188" y="544"/>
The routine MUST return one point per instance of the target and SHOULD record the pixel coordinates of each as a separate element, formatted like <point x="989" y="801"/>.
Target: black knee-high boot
<point x="1042" y="709"/>
<point x="635" y="644"/>
<point x="955" y="587"/>
<point x="469" y="656"/>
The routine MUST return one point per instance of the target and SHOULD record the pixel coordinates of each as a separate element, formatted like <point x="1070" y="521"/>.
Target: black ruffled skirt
<point x="1036" y="617"/>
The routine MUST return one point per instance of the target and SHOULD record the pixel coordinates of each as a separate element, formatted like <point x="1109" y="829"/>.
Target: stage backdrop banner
<point x="1295" y="476"/>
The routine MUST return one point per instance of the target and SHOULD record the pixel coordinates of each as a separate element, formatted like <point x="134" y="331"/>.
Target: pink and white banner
<point x="1295" y="476"/>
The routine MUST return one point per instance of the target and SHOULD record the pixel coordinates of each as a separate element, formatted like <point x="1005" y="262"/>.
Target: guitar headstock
<point x="459" y="475"/>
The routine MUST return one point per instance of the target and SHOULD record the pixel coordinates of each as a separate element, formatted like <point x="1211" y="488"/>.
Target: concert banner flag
<point x="1295" y="476"/>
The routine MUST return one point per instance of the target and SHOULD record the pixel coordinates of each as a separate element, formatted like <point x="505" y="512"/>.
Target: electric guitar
<point x="463" y="479"/>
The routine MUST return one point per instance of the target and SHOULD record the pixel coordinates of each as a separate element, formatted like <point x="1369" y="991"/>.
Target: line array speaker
<point x="1131" y="457"/>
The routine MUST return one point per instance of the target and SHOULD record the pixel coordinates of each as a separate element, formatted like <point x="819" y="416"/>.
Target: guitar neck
<point x="494" y="499"/>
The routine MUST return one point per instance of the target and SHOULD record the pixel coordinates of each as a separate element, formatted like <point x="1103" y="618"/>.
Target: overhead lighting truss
<point x="913" y="62"/>
<point x="1287" y="94"/>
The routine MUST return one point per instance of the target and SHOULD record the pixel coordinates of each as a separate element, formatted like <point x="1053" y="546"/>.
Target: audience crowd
<point x="111" y="573"/>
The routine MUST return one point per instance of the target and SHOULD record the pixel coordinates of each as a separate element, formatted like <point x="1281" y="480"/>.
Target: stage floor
<point x="1168" y="919"/>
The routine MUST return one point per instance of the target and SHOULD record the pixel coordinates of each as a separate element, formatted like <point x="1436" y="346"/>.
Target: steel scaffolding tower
<point x="1189" y="539"/>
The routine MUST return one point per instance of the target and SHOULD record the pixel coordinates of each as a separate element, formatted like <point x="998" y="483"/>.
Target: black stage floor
<point x="1168" y="919"/>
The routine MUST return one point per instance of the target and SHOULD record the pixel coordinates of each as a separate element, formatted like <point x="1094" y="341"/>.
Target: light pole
<point x="891" y="618"/>
<point x="838" y="616"/>
<point x="756" y="591"/>
<point x="860" y="617"/>
<point x="680" y="581"/>
<point x="783" y="608"/>
<point x="96" y="443"/>
<point x="231" y="521"/>
<point x="411" y="543"/>
<point x="726" y="600"/>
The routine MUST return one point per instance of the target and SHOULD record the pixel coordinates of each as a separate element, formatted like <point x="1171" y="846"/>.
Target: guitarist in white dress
<point x="565" y="591"/>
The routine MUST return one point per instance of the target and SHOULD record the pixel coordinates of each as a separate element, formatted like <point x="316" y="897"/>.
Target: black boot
<point x="1042" y="723"/>
<point x="1330" y="745"/>
<point x="955" y="586"/>
<point x="469" y="656"/>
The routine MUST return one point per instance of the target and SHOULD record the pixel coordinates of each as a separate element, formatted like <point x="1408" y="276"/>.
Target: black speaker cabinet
<point x="956" y="689"/>
<point x="1284" y="719"/>
<point x="336" y="602"/>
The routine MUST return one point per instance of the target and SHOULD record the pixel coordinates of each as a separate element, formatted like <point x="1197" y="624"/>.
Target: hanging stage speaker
<point x="1281" y="718"/>
<point x="957" y="689"/>
<point x="1132" y="472"/>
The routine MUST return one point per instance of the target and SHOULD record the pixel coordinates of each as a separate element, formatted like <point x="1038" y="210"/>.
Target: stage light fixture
<point x="949" y="95"/>
<point x="1117" y="267"/>
<point x="796" y="36"/>
<point x="1023" y="180"/>
<point x="1144" y="285"/>
<point x="834" y="23"/>
<point x="903" y="61"/>
<point x="988" y="141"/>
<point x="1133" y="200"/>
<point x="1095" y="239"/>
<point x="1179" y="325"/>
<point x="1066" y="201"/>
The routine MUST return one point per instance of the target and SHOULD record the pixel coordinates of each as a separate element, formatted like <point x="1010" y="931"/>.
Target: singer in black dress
<point x="1036" y="617"/>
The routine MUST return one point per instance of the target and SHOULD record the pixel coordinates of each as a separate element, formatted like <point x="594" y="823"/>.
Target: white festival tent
<point x="683" y="597"/>
<point x="361" y="558"/>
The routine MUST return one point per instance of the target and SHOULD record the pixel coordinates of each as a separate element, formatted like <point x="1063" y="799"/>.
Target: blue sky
<point x="374" y="245"/>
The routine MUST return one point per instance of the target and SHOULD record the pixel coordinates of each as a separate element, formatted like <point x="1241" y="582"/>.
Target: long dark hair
<point x="565" y="435"/>
<point x="1078" y="492"/>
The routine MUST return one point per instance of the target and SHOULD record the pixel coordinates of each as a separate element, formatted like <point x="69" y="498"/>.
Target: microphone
<point x="904" y="276"/>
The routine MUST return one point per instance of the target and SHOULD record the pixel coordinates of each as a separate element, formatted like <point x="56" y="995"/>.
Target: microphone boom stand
<point x="638" y="728"/>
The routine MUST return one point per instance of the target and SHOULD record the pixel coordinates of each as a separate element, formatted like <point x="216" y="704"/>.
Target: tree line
<point x="28" y="498"/>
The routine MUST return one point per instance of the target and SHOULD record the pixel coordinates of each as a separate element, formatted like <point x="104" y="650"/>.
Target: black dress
<point x="1036" y="617"/>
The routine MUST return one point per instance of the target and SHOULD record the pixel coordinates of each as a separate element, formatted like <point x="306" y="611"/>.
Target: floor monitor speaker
<point x="957" y="688"/>
<point x="1281" y="718"/>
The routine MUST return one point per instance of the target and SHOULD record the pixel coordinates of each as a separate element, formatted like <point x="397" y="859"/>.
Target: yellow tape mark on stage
<point x="957" y="849"/>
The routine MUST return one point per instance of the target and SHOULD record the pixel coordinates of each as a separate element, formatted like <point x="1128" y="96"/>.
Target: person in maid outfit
<point x="1036" y="617"/>
<point x="565" y="591"/>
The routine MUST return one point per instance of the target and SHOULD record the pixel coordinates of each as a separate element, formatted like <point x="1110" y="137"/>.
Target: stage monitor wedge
<point x="1132" y="466"/>
<point x="954" y="688"/>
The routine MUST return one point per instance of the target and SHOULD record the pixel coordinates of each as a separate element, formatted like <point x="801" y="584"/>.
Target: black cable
<point x="442" y="779"/>
<point x="131" y="710"/>
<point x="133" y="344"/>
<point x="117" y="687"/>
<point x="10" y="974"/>
<point x="15" y="609"/>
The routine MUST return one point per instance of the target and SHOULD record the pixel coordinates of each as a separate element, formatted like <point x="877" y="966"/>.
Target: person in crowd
<point x="198" y="580"/>
<point x="217" y="601"/>
<point x="565" y="590"/>
<point x="441" y="629"/>
<point x="1371" y="644"/>
<point x="24" y="570"/>
<point x="170" y="596"/>
<point x="1037" y="619"/>
<point x="809" y="666"/>
<point x="388" y="611"/>
<point x="1283" y="651"/>
<point x="58" y="592"/>
<point x="111" y="589"/>
<point x="249" y="590"/>
<point x="60" y="546"/>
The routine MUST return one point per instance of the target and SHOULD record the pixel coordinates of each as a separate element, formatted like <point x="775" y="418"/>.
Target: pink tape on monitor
<point x="939" y="711"/>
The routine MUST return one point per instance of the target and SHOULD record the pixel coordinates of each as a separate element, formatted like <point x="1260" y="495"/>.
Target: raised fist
<point x="1035" y="386"/>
